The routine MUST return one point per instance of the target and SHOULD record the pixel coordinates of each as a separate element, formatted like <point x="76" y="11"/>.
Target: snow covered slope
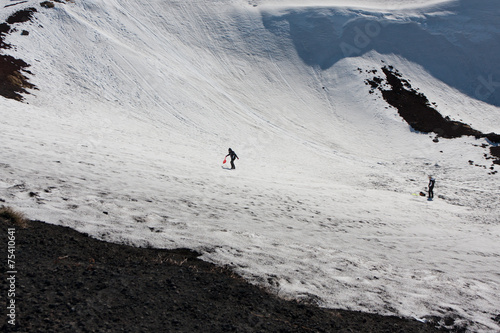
<point x="138" y="102"/>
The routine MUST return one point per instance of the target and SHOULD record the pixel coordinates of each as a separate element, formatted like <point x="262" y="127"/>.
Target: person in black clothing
<point x="432" y="181"/>
<point x="233" y="155"/>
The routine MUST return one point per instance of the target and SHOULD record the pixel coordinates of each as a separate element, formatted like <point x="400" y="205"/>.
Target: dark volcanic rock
<point x="22" y="16"/>
<point x="417" y="111"/>
<point x="69" y="282"/>
<point x="495" y="151"/>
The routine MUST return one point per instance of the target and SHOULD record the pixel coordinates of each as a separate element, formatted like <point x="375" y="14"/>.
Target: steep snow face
<point x="461" y="35"/>
<point x="374" y="5"/>
<point x="139" y="101"/>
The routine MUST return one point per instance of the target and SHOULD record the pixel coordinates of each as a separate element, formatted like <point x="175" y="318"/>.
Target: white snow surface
<point x="138" y="102"/>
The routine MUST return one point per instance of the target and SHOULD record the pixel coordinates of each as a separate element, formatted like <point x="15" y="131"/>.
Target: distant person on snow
<point x="432" y="181"/>
<point x="233" y="155"/>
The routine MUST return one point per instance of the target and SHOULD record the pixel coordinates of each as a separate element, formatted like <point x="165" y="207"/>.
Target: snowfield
<point x="137" y="103"/>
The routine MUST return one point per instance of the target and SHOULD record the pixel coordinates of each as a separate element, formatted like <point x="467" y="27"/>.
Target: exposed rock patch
<point x="14" y="81"/>
<point x="22" y="16"/>
<point x="420" y="114"/>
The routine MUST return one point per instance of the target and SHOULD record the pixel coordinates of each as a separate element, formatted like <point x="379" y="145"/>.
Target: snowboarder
<point x="432" y="181"/>
<point x="233" y="155"/>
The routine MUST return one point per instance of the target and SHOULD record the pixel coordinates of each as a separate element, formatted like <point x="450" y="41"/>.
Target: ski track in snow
<point x="138" y="103"/>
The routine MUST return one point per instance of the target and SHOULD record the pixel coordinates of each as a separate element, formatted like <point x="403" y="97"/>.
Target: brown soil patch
<point x="13" y="79"/>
